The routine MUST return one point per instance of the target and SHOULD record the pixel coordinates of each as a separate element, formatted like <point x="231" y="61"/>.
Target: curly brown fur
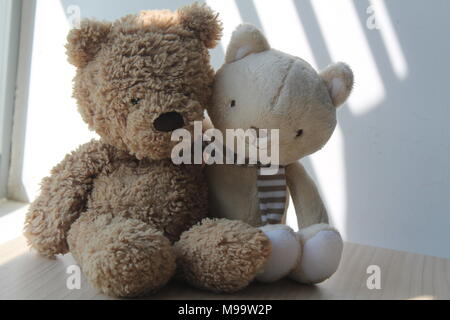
<point x="118" y="204"/>
<point x="222" y="255"/>
<point x="122" y="257"/>
<point x="63" y="198"/>
<point x="158" y="57"/>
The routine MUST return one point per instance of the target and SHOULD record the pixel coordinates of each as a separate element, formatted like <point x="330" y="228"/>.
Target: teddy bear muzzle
<point x="168" y="122"/>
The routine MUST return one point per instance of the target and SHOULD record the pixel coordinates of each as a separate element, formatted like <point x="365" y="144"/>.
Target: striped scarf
<point x="272" y="194"/>
<point x="272" y="190"/>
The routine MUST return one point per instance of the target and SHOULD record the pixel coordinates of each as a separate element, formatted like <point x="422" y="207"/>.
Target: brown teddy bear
<point x="129" y="216"/>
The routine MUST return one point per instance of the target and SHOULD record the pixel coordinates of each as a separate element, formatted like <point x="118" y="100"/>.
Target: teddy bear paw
<point x="221" y="255"/>
<point x="286" y="253"/>
<point x="122" y="257"/>
<point x="320" y="259"/>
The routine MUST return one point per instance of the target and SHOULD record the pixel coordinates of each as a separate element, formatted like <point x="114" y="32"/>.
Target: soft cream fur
<point x="246" y="40"/>
<point x="274" y="90"/>
<point x="120" y="205"/>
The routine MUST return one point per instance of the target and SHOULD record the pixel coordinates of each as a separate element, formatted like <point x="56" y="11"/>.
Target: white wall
<point x="385" y="175"/>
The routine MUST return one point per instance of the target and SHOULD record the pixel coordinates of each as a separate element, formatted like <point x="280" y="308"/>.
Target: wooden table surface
<point x="26" y="275"/>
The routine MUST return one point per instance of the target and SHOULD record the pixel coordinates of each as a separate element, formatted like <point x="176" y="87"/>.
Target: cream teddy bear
<point x="262" y="88"/>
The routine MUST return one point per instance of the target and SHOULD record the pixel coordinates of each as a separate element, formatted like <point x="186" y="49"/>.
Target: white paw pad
<point x="286" y="250"/>
<point x="321" y="257"/>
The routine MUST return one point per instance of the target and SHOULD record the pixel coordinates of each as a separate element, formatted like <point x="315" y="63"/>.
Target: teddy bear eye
<point x="135" y="101"/>
<point x="233" y="103"/>
<point x="299" y="133"/>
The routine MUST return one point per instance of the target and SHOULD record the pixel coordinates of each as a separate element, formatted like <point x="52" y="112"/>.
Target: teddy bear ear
<point x="203" y="22"/>
<point x="83" y="43"/>
<point x="246" y="39"/>
<point x="339" y="80"/>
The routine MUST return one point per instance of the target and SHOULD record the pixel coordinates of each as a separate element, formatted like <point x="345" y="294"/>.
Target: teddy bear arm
<point x="308" y="204"/>
<point x="63" y="197"/>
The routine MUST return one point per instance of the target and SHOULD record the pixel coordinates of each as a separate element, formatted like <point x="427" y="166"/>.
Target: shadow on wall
<point x="396" y="153"/>
<point x="398" y="167"/>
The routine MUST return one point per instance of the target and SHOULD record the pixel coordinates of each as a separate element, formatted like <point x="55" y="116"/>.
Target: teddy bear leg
<point x="121" y="257"/>
<point x="286" y="253"/>
<point x="321" y="254"/>
<point x="221" y="255"/>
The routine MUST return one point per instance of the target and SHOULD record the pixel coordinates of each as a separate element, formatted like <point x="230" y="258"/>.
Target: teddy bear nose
<point x="168" y="122"/>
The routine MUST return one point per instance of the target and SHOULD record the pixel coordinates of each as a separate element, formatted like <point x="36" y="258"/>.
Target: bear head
<point x="262" y="88"/>
<point x="143" y="76"/>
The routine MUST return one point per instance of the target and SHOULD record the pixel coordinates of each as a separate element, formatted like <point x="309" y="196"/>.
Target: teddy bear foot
<point x="322" y="249"/>
<point x="121" y="257"/>
<point x="286" y="253"/>
<point x="221" y="255"/>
